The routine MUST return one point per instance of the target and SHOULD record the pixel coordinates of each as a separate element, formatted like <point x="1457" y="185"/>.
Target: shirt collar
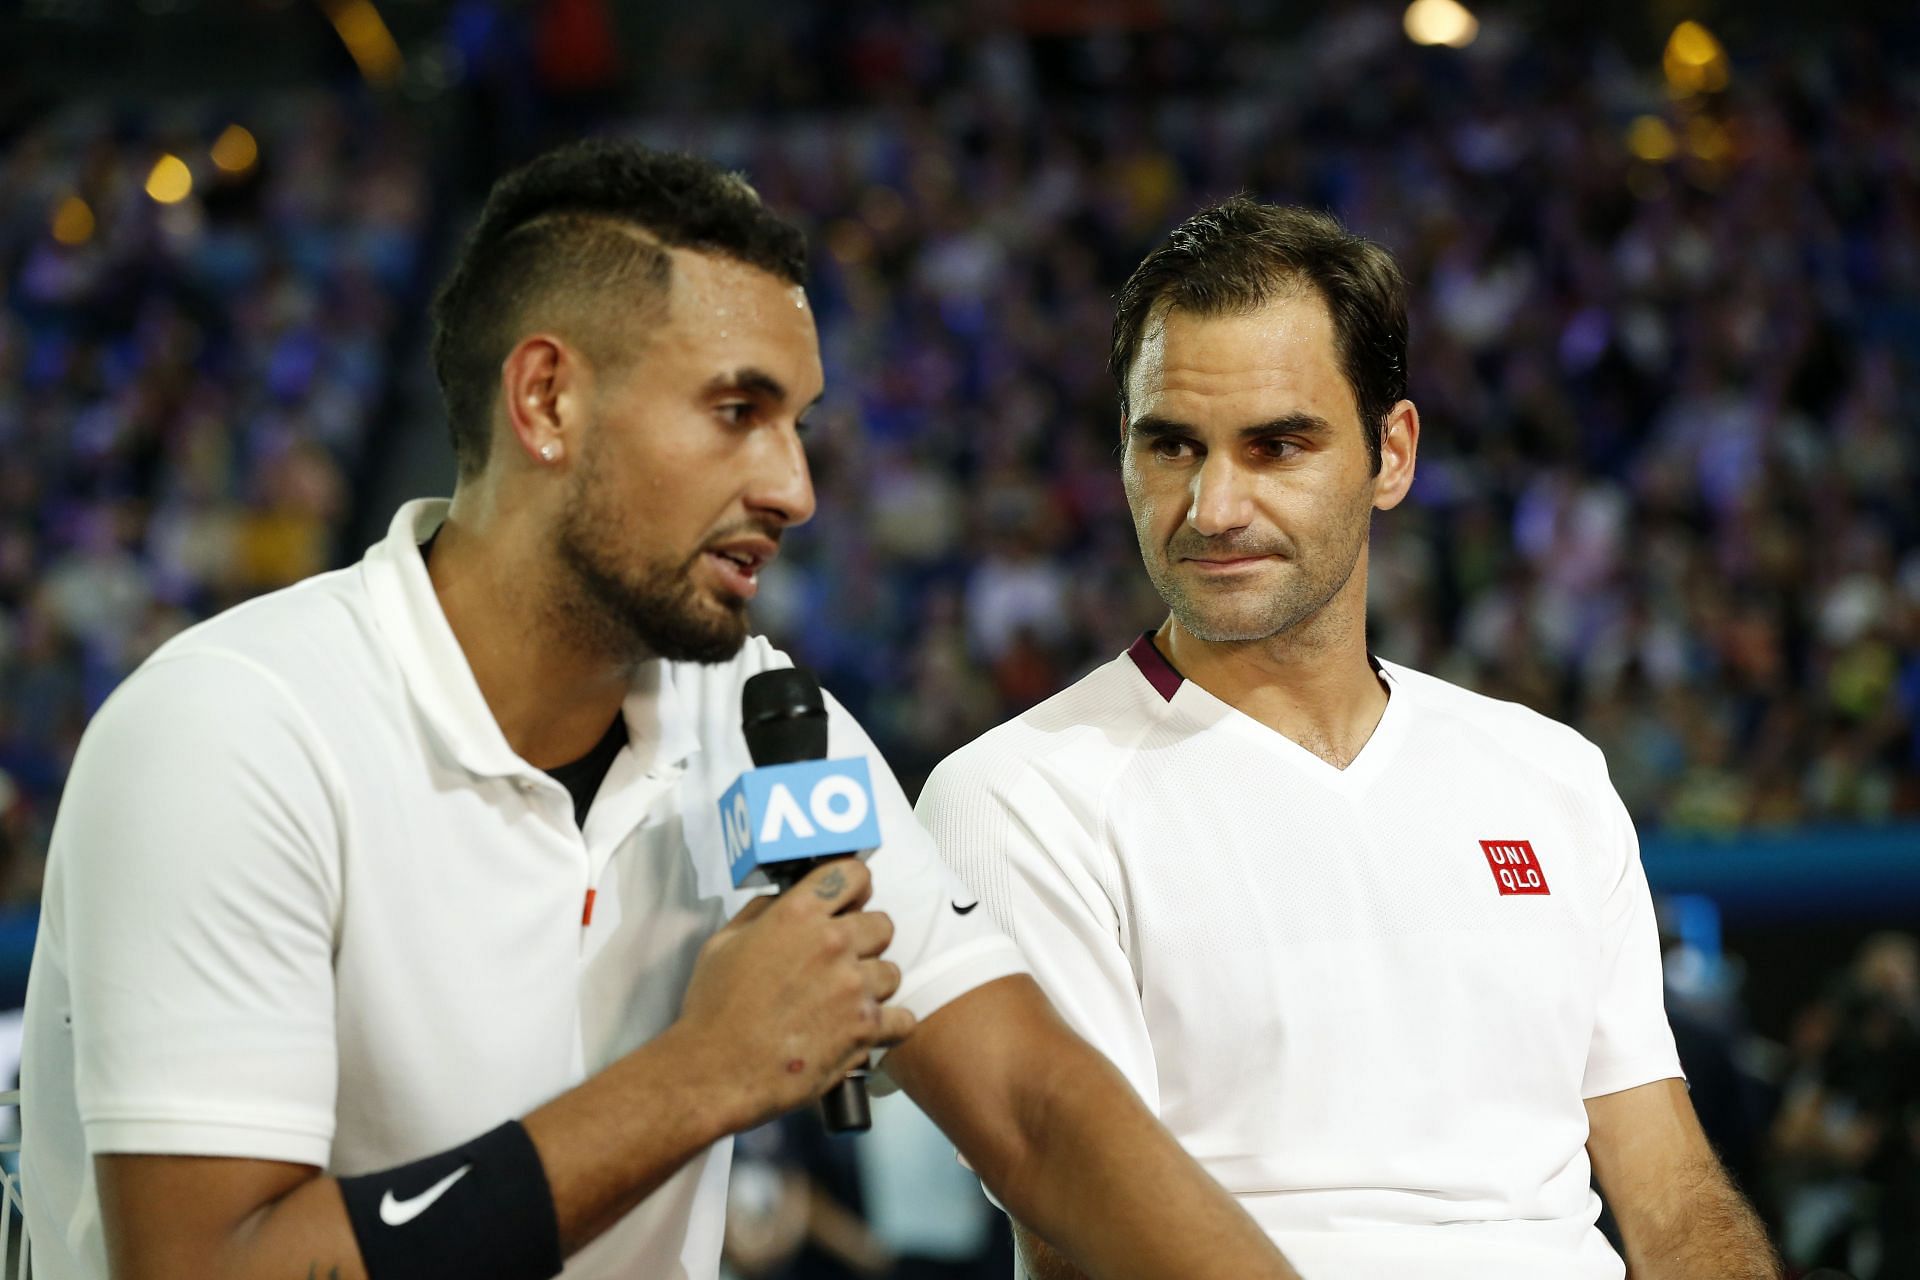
<point x="441" y="684"/>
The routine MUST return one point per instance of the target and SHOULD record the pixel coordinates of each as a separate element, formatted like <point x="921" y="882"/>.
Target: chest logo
<point x="1515" y="867"/>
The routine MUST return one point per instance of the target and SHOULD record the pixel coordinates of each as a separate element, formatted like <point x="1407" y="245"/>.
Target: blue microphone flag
<point x="795" y="812"/>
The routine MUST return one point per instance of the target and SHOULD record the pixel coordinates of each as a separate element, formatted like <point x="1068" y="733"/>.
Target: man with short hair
<point x="388" y="930"/>
<point x="1378" y="950"/>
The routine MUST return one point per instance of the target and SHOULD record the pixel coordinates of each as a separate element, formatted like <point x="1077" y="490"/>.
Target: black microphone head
<point x="783" y="716"/>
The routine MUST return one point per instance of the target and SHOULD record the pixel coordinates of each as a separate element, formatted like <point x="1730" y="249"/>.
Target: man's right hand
<point x="789" y="996"/>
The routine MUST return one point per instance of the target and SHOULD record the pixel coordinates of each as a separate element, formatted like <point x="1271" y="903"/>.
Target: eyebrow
<point x="756" y="382"/>
<point x="1154" y="427"/>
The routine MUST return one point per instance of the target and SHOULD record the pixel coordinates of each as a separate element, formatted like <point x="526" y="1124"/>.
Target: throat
<point x="1327" y="704"/>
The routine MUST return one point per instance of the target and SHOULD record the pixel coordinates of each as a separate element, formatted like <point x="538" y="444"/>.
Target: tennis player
<point x="1378" y="950"/>
<point x="387" y="929"/>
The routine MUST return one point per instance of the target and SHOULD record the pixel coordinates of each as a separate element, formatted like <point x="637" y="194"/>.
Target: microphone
<point x="795" y="810"/>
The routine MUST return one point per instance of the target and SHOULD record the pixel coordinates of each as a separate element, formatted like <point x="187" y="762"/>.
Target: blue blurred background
<point x="1665" y="266"/>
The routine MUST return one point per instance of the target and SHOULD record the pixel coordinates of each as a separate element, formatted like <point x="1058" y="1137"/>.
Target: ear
<point x="1399" y="444"/>
<point x="539" y="390"/>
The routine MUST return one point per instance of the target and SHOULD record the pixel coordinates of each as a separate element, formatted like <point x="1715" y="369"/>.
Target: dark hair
<point x="586" y="225"/>
<point x="1240" y="254"/>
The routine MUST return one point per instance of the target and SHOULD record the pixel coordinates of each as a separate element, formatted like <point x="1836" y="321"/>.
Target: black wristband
<point x="482" y="1209"/>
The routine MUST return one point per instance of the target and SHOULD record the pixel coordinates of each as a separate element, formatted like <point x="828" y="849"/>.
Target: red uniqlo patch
<point x="1515" y="868"/>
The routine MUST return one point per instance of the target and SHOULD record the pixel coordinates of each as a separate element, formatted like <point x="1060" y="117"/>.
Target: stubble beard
<point x="1224" y="615"/>
<point x="632" y="614"/>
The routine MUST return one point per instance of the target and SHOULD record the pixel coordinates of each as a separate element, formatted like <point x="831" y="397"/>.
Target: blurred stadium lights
<point x="235" y="150"/>
<point x="1694" y="62"/>
<point x="1446" y="22"/>
<point x="1650" y="139"/>
<point x="364" y="32"/>
<point x="73" y="222"/>
<point x="171" y="181"/>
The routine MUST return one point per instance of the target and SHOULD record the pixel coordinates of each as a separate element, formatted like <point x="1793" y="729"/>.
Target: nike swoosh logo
<point x="960" y="910"/>
<point x="398" y="1213"/>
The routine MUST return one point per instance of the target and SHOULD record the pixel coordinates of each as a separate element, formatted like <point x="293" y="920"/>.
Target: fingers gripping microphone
<point x="796" y="810"/>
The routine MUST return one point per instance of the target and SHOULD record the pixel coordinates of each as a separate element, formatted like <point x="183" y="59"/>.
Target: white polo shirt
<point x="304" y="903"/>
<point x="1370" y="1001"/>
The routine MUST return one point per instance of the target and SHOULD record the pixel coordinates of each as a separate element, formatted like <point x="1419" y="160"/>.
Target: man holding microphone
<point x="388" y="929"/>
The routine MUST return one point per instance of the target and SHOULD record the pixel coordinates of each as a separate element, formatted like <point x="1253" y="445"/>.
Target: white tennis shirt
<point x="1369" y="1001"/>
<point x="304" y="903"/>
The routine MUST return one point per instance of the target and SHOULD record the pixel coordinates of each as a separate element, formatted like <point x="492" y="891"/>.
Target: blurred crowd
<point x="1665" y="350"/>
<point x="187" y="389"/>
<point x="1844" y="1176"/>
<point x="1666" y="345"/>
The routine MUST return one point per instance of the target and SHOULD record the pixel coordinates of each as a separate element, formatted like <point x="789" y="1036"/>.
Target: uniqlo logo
<point x="1515" y="868"/>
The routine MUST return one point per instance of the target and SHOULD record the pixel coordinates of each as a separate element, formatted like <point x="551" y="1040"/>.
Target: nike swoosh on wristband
<point x="398" y="1213"/>
<point x="960" y="910"/>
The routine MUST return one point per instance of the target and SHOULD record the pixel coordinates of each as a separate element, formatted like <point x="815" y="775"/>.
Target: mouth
<point x="1224" y="564"/>
<point x="738" y="563"/>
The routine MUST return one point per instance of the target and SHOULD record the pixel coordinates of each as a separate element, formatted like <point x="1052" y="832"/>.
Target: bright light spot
<point x="1694" y="61"/>
<point x="1649" y="138"/>
<point x="171" y="181"/>
<point x="73" y="222"/>
<point x="1694" y="45"/>
<point x="365" y="34"/>
<point x="1440" y="22"/>
<point x="235" y="150"/>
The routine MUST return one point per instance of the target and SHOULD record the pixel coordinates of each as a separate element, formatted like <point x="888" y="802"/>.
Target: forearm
<point x="610" y="1143"/>
<point x="1061" y="1138"/>
<point x="601" y="1148"/>
<point x="1096" y="1176"/>
<point x="1680" y="1216"/>
<point x="1710" y="1230"/>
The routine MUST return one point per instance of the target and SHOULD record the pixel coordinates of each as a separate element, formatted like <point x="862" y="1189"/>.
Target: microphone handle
<point x="844" y="1108"/>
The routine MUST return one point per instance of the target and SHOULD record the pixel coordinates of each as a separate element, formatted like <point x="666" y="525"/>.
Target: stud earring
<point x="549" y="451"/>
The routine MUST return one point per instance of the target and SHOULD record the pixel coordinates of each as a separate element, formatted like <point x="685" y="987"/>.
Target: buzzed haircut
<point x="586" y="228"/>
<point x="1239" y="255"/>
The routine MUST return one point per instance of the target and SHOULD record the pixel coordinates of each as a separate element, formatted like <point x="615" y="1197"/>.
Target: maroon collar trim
<point x="1155" y="667"/>
<point x="1160" y="673"/>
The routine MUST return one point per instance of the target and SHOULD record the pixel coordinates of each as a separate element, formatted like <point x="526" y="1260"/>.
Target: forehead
<point x="724" y="312"/>
<point x="1236" y="369"/>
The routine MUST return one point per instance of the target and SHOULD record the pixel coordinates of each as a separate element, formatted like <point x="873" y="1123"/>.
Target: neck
<point x="552" y="696"/>
<point x="1312" y="683"/>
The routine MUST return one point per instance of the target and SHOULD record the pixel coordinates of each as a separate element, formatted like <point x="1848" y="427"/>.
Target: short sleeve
<point x="1030" y="857"/>
<point x="197" y="855"/>
<point x="944" y="948"/>
<point x="1632" y="1042"/>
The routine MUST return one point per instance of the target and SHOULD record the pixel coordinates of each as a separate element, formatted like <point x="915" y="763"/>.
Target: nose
<point x="782" y="485"/>
<point x="1222" y="497"/>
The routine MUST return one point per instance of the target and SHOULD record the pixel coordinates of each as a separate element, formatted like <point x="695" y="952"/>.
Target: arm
<point x="1066" y="1144"/>
<point x="793" y="980"/>
<point x="1679" y="1213"/>
<point x="1027" y="851"/>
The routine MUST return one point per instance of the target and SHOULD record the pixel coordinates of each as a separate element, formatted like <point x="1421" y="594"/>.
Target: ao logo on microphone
<point x="809" y="809"/>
